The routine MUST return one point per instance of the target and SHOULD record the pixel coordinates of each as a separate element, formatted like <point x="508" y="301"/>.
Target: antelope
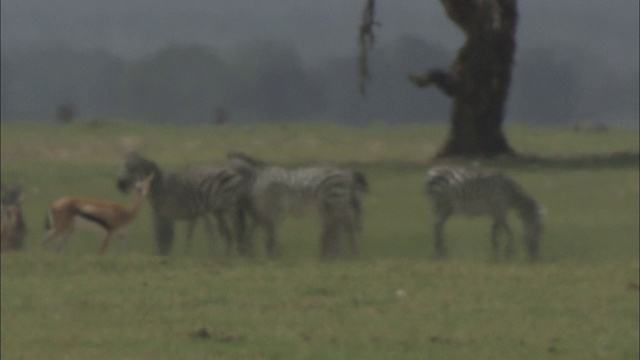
<point x="111" y="216"/>
<point x="13" y="227"/>
<point x="9" y="220"/>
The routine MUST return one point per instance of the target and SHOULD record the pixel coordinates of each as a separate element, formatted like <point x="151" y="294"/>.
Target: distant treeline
<point x="267" y="81"/>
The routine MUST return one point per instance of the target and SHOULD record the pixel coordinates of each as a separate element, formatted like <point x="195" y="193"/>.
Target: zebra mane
<point x="132" y="155"/>
<point x="142" y="162"/>
<point x="245" y="159"/>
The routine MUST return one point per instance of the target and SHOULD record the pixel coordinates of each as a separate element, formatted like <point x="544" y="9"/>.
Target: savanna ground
<point x="393" y="302"/>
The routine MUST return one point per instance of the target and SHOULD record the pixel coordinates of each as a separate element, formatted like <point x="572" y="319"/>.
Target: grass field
<point x="394" y="302"/>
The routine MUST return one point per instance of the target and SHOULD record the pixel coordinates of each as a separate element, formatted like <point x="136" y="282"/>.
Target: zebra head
<point x="136" y="169"/>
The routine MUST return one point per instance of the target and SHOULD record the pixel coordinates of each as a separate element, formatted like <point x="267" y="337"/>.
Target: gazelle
<point x="111" y="216"/>
<point x="9" y="220"/>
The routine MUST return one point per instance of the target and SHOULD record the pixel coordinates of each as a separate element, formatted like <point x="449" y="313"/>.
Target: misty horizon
<point x="595" y="35"/>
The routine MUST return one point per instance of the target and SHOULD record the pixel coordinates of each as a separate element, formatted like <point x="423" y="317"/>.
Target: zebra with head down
<point x="478" y="191"/>
<point x="187" y="195"/>
<point x="273" y="191"/>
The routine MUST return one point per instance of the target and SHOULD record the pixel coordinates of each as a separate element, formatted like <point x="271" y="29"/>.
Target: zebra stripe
<point x="220" y="189"/>
<point x="305" y="185"/>
<point x="476" y="192"/>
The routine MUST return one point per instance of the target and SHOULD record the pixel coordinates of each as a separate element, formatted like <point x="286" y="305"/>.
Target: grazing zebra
<point x="476" y="191"/>
<point x="187" y="195"/>
<point x="14" y="229"/>
<point x="274" y="190"/>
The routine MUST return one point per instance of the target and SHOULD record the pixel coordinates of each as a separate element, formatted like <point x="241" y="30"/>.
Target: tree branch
<point x="366" y="39"/>
<point x="444" y="80"/>
<point x="470" y="15"/>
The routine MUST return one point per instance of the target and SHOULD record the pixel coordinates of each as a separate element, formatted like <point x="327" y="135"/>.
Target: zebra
<point x="14" y="228"/>
<point x="187" y="195"/>
<point x="272" y="191"/>
<point x="478" y="191"/>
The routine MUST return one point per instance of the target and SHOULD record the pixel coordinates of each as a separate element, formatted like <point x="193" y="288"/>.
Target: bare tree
<point x="65" y="113"/>
<point x="479" y="78"/>
<point x="366" y="38"/>
<point x="220" y="116"/>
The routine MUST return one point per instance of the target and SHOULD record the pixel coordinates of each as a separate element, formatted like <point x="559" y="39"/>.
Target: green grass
<point x="579" y="302"/>
<point x="140" y="307"/>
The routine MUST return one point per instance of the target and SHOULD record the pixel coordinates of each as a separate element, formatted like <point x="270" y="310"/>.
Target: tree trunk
<point x="478" y="80"/>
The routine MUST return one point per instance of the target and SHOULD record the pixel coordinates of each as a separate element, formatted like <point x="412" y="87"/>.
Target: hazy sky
<point x="598" y="40"/>
<point x="320" y="28"/>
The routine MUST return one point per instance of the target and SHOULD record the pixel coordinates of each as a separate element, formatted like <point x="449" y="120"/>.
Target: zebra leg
<point x="442" y="212"/>
<point x="191" y="225"/>
<point x="510" y="247"/>
<point x="164" y="234"/>
<point x="498" y="224"/>
<point x="327" y="241"/>
<point x="330" y="232"/>
<point x="223" y="227"/>
<point x="351" y="231"/>
<point x="16" y="239"/>
<point x="532" y="247"/>
<point x="495" y="243"/>
<point x="243" y="235"/>
<point x="270" y="231"/>
<point x="356" y="210"/>
<point x="531" y="233"/>
<point x="209" y="230"/>
<point x="348" y="225"/>
<point x="354" y="227"/>
<point x="438" y="227"/>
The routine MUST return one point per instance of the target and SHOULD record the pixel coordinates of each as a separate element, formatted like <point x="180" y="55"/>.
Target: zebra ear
<point x="242" y="159"/>
<point x="242" y="164"/>
<point x="131" y="155"/>
<point x="236" y="156"/>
